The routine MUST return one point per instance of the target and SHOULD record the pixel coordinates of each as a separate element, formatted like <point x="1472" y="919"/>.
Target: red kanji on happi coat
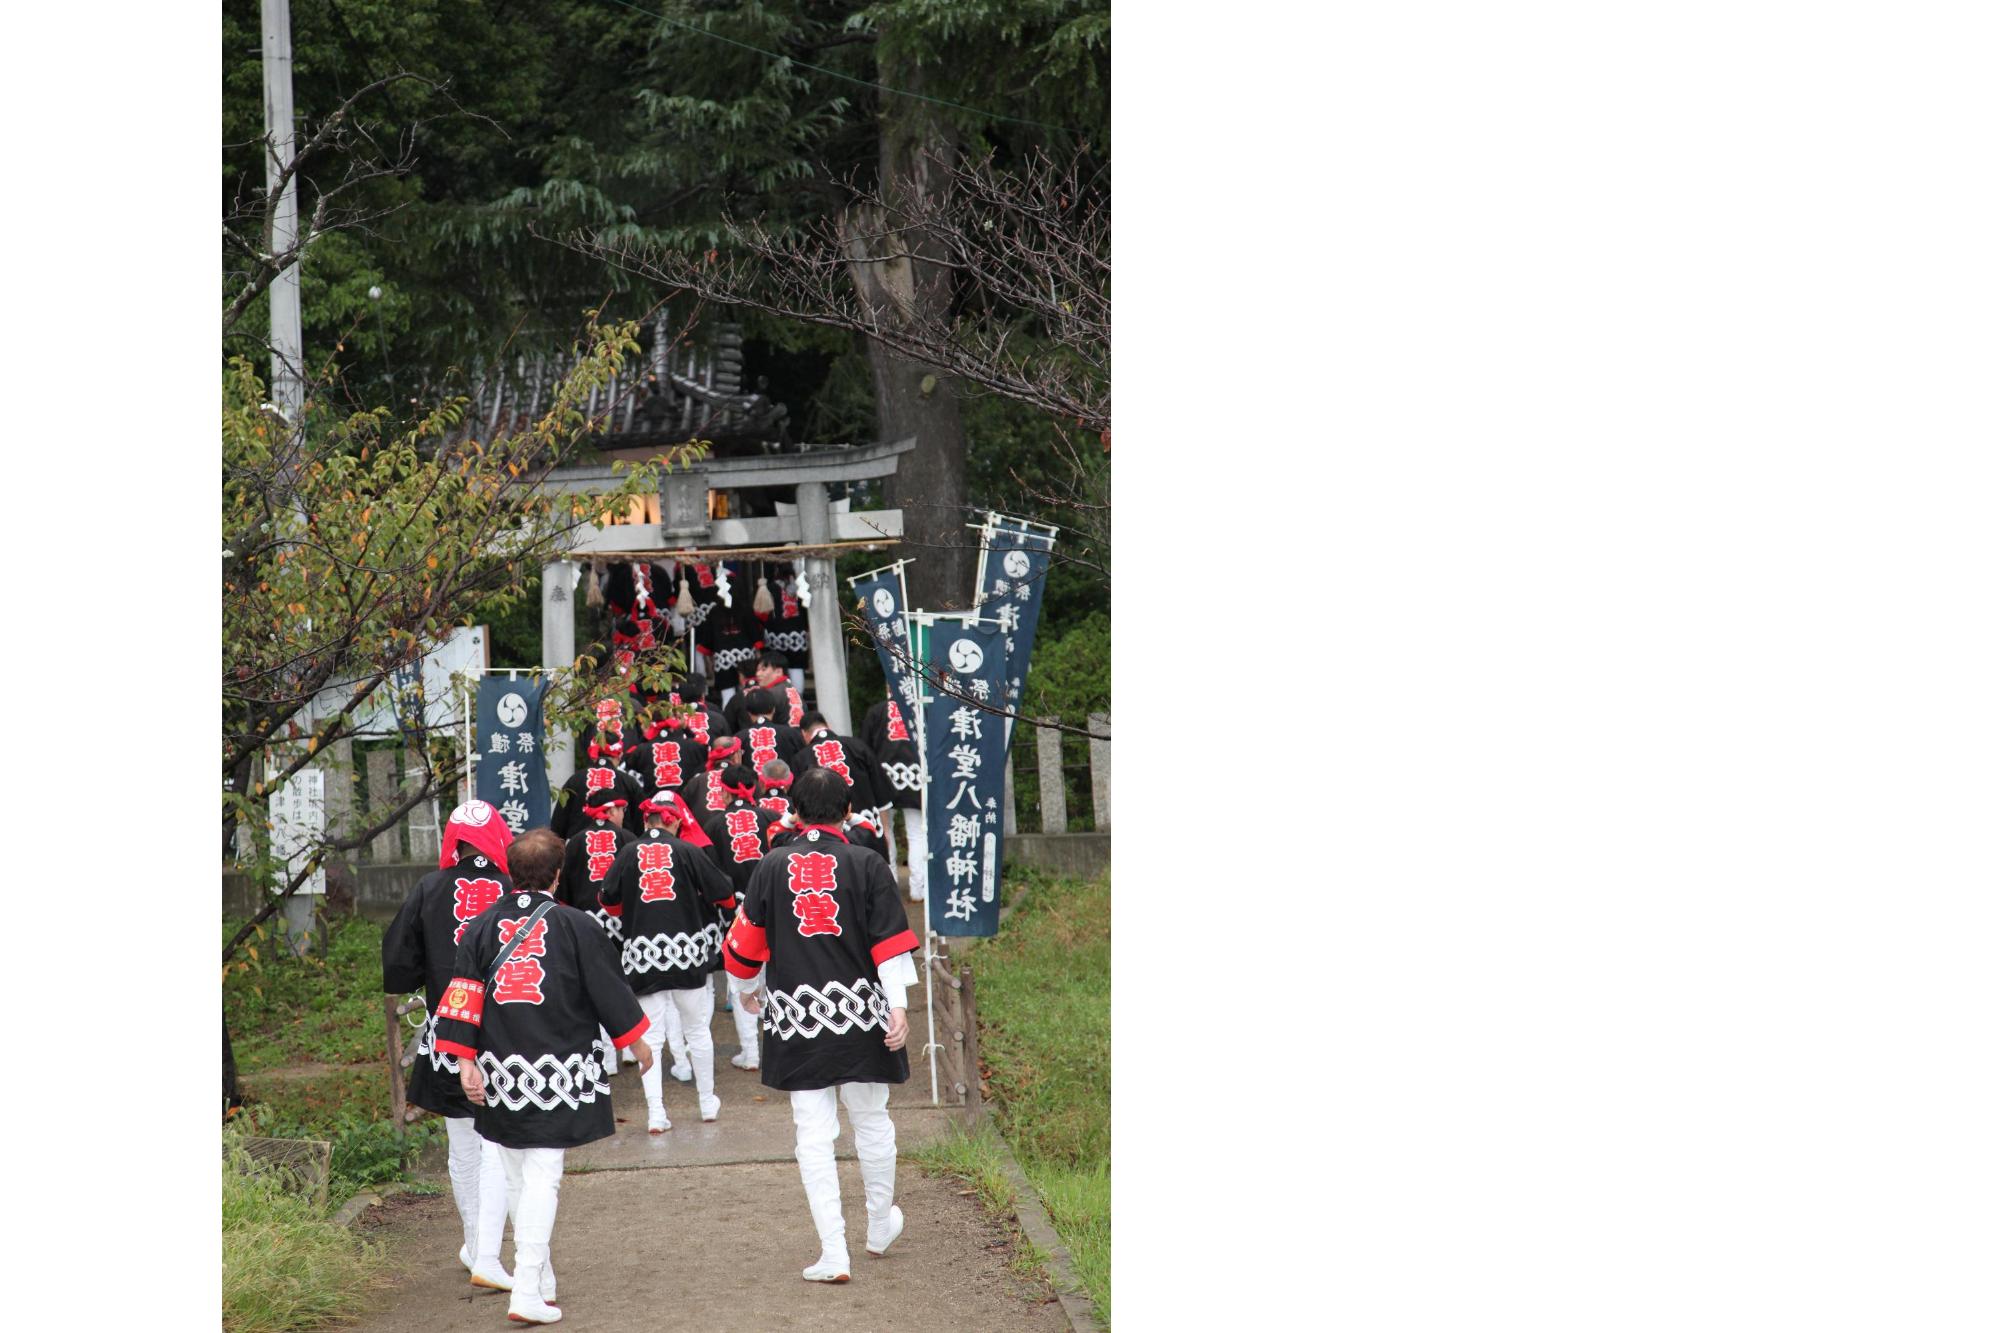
<point x="666" y="765"/>
<point x="470" y="897"/>
<point x="697" y="725"/>
<point x="811" y="880"/>
<point x="598" y="779"/>
<point x="830" y="755"/>
<point x="519" y="980"/>
<point x="763" y="745"/>
<point x="742" y="827"/>
<point x="898" y="730"/>
<point x="609" y="713"/>
<point x="777" y="805"/>
<point x="601" y="846"/>
<point x="656" y="872"/>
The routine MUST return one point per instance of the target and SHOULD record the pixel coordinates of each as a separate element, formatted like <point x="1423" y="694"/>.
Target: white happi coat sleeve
<point x="899" y="977"/>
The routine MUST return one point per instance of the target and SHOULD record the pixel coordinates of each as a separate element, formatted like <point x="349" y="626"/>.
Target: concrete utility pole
<point x="287" y="338"/>
<point x="559" y="582"/>
<point x="287" y="355"/>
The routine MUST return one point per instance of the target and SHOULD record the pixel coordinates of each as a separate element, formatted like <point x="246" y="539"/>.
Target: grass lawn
<point x="1044" y="995"/>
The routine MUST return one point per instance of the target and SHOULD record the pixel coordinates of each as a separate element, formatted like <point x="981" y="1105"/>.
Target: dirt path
<point x="721" y="1247"/>
<point x="706" y="1227"/>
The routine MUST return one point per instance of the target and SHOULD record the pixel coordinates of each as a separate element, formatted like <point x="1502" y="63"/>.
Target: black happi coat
<point x="672" y="900"/>
<point x="418" y="951"/>
<point x="670" y="761"/>
<point x="787" y="629"/>
<point x="888" y="735"/>
<point x="781" y="742"/>
<point x="791" y="706"/>
<point x="576" y="793"/>
<point x="861" y="831"/>
<point x="736" y="836"/>
<point x="733" y="639"/>
<point x="533" y="1025"/>
<point x="587" y="861"/>
<point x="856" y="761"/>
<point x="820" y="916"/>
<point x="774" y="799"/>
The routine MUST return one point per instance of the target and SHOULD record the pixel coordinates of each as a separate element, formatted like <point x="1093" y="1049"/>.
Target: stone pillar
<point x="829" y="650"/>
<point x="1100" y="773"/>
<point x="1048" y="762"/>
<point x="559" y="579"/>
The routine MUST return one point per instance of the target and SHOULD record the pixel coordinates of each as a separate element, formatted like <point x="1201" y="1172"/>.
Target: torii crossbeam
<point x="813" y="532"/>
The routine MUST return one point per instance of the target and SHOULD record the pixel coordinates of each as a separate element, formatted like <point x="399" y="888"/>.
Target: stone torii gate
<point x="686" y="531"/>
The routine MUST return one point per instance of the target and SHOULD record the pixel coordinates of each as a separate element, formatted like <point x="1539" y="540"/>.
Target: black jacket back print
<point x="820" y="917"/>
<point x="532" y="1025"/>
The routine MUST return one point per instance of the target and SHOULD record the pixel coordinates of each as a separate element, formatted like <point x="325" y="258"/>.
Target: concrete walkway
<point x="719" y="1243"/>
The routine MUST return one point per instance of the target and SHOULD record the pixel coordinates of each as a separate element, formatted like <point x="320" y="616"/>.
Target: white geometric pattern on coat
<point x="903" y="777"/>
<point x="668" y="953"/>
<point x="613" y="926"/>
<point x="807" y="1012"/>
<point x="546" y="1082"/>
<point x="427" y="1045"/>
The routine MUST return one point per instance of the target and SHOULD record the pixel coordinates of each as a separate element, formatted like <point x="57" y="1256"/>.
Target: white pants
<point x="913" y="834"/>
<point x="746" y="1024"/>
<point x="817" y="1120"/>
<point x="691" y="1010"/>
<point x="534" y="1176"/>
<point x="478" y="1187"/>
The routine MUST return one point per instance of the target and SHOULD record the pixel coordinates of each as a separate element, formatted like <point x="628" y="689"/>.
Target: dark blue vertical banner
<point x="965" y="758"/>
<point x="512" y="773"/>
<point x="1014" y="574"/>
<point x="881" y="597"/>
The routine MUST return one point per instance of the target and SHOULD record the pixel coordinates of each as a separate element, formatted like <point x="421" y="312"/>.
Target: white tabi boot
<point x="527" y="1304"/>
<point x="496" y="1204"/>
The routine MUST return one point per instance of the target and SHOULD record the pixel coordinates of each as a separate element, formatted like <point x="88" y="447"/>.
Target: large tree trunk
<point x="895" y="275"/>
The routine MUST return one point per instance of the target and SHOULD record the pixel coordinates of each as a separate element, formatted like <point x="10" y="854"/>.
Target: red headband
<point x="607" y="811"/>
<point x="740" y="793"/>
<point x="779" y="784"/>
<point x="479" y="824"/>
<point x="667" y="801"/>
<point x="615" y="749"/>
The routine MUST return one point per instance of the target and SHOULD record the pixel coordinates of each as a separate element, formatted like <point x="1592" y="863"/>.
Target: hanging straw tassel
<point x="593" y="595"/>
<point x="762" y="603"/>
<point x="684" y="604"/>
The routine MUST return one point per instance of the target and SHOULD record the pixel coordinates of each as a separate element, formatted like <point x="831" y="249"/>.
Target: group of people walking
<point x="692" y="843"/>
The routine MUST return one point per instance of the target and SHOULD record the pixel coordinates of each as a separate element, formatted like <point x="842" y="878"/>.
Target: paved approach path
<point x="706" y="1227"/>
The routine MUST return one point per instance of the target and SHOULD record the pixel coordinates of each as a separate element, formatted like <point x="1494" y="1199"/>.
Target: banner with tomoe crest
<point x="883" y="601"/>
<point x="965" y="758"/>
<point x="1014" y="560"/>
<point x="512" y="773"/>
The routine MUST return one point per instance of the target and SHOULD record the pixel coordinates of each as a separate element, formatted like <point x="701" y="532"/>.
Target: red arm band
<point x="901" y="942"/>
<point x="748" y="941"/>
<point x="464" y="999"/>
<point x="622" y="1042"/>
<point x="735" y="966"/>
<point x="454" y="1048"/>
